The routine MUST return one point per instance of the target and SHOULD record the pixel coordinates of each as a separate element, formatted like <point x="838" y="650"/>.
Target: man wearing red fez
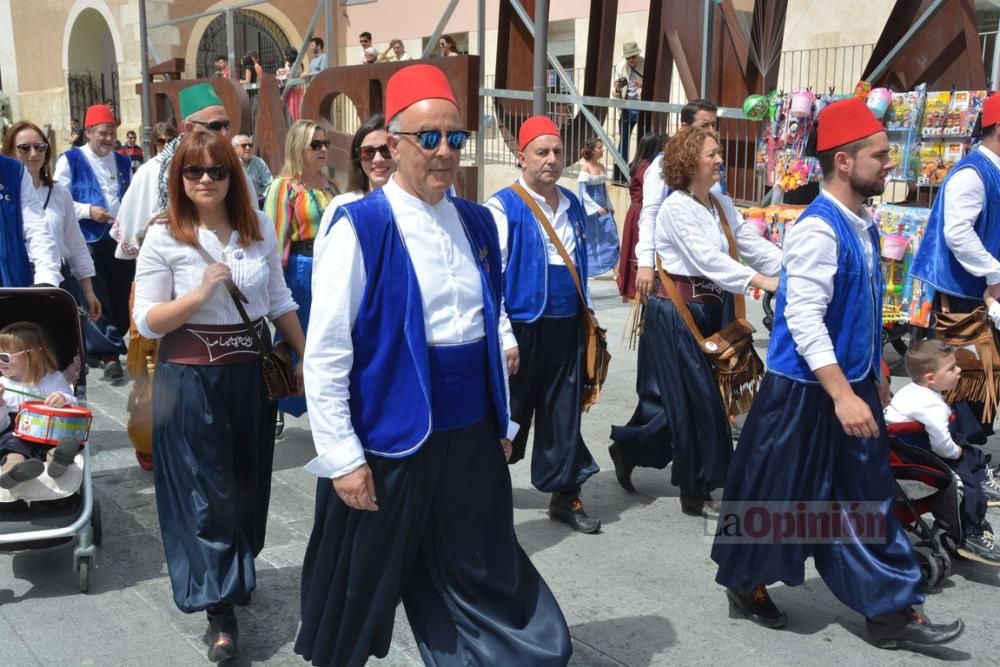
<point x="98" y="177"/>
<point x="406" y="387"/>
<point x="546" y="313"/>
<point x="813" y="457"/>
<point x="959" y="253"/>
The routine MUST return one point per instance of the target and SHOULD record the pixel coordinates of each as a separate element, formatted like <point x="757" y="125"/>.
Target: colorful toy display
<point x="781" y="149"/>
<point x="902" y="228"/>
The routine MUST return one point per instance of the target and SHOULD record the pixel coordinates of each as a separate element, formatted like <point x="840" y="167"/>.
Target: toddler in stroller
<point x="933" y="370"/>
<point x="29" y="368"/>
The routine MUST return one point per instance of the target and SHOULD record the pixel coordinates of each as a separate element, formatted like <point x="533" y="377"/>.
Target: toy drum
<point x="802" y="103"/>
<point x="37" y="422"/>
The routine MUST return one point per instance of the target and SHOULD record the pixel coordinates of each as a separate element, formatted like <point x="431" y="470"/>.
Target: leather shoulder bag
<point x="974" y="339"/>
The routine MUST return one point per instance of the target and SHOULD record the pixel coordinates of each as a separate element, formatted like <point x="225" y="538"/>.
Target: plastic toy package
<point x="901" y="229"/>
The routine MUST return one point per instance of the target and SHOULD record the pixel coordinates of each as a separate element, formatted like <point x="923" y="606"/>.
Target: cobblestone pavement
<point x="641" y="593"/>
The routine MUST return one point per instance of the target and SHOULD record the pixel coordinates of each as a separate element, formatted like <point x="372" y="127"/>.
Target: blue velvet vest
<point x="935" y="263"/>
<point x="854" y="315"/>
<point x="390" y="382"/>
<point x="86" y="190"/>
<point x="526" y="280"/>
<point x="15" y="267"/>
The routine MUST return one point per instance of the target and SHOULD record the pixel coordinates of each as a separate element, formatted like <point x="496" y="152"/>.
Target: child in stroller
<point x="29" y="368"/>
<point x="933" y="370"/>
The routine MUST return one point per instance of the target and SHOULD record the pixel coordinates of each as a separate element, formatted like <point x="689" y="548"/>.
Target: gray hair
<point x="237" y="139"/>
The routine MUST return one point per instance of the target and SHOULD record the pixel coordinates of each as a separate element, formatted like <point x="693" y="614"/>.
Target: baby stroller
<point x="45" y="512"/>
<point x="924" y="484"/>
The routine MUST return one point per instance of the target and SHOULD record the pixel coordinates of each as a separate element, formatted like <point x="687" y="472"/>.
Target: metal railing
<point x="837" y="67"/>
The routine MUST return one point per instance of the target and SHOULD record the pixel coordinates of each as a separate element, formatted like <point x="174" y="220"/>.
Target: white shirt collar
<point x="89" y="152"/>
<point x="991" y="155"/>
<point x="400" y="196"/>
<point x="563" y="201"/>
<point x="859" y="222"/>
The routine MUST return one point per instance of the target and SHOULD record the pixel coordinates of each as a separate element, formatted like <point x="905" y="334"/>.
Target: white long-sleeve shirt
<point x="43" y="251"/>
<point x="922" y="404"/>
<point x="810" y="259"/>
<point x="49" y="384"/>
<point x="105" y="170"/>
<point x="964" y="197"/>
<point x="61" y="216"/>
<point x="450" y="294"/>
<point x="167" y="269"/>
<point x="138" y="207"/>
<point x="690" y="242"/>
<point x="559" y="219"/>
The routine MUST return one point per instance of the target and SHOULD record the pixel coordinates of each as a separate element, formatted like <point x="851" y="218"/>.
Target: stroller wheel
<point x="85" y="574"/>
<point x="929" y="564"/>
<point x="945" y="565"/>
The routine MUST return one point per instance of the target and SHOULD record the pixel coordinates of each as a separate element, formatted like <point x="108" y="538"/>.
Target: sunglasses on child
<point x="214" y="125"/>
<point x="195" y="172"/>
<point x="7" y="357"/>
<point x="367" y="153"/>
<point x="431" y="139"/>
<point x="40" y="147"/>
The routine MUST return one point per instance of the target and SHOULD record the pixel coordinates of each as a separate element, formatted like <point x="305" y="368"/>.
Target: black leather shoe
<point x="757" y="606"/>
<point x="222" y="633"/>
<point x="623" y="471"/>
<point x="910" y="629"/>
<point x="703" y="507"/>
<point x="568" y="508"/>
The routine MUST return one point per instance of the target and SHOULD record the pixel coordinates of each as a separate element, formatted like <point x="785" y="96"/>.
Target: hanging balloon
<point x="878" y="101"/>
<point x="755" y="107"/>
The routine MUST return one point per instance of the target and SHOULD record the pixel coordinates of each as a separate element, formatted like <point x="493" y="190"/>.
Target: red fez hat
<point x="414" y="83"/>
<point x="535" y="127"/>
<point x="845" y="121"/>
<point x="98" y="114"/>
<point x="991" y="110"/>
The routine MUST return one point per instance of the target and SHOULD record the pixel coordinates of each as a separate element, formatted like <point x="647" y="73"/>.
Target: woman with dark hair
<point x="26" y="142"/>
<point x="163" y="134"/>
<point x="213" y="423"/>
<point x="649" y="145"/>
<point x="681" y="416"/>
<point x="447" y="46"/>
<point x="602" y="230"/>
<point x="371" y="164"/>
<point x="252" y="69"/>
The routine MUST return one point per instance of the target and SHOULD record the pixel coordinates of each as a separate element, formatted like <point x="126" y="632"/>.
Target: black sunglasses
<point x="367" y="153"/>
<point x="214" y="126"/>
<point x="317" y="144"/>
<point x="39" y="147"/>
<point x="246" y="145"/>
<point x="195" y="172"/>
<point x="431" y="139"/>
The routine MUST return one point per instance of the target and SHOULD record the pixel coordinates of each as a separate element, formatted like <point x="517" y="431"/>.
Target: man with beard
<point x="545" y="350"/>
<point x="98" y="177"/>
<point x="815" y="437"/>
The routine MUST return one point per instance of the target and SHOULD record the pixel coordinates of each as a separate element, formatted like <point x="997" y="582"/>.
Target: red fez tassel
<point x="413" y="84"/>
<point x="535" y="127"/>
<point x="845" y="121"/>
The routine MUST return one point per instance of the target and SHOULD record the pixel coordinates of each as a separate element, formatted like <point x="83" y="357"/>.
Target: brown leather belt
<point x="302" y="247"/>
<point x="212" y="345"/>
<point x="694" y="289"/>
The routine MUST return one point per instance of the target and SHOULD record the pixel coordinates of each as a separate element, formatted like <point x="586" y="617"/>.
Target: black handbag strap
<point x="239" y="299"/>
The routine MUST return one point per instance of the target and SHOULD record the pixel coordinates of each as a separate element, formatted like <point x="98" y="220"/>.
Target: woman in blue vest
<point x="813" y="455"/>
<point x="213" y="423"/>
<point x="29" y="253"/>
<point x="681" y="416"/>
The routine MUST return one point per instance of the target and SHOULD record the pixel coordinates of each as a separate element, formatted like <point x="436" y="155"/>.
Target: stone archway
<point x="92" y="63"/>
<point x="253" y="32"/>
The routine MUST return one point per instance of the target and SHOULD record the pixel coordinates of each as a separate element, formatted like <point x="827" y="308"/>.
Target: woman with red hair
<point x="213" y="423"/>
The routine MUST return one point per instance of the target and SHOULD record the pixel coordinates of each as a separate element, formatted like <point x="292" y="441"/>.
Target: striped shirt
<point x="296" y="213"/>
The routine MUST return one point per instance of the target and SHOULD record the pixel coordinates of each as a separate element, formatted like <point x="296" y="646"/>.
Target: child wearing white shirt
<point x="932" y="366"/>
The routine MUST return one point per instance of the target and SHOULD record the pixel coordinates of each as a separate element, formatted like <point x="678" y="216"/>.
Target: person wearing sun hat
<point x="98" y="178"/>
<point x="406" y="390"/>
<point x="547" y="341"/>
<point x="815" y="436"/>
<point x="629" y="87"/>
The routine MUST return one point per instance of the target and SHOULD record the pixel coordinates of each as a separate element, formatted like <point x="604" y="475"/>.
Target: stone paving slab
<point x="641" y="593"/>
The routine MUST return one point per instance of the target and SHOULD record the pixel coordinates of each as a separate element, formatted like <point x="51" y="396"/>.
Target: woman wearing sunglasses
<point x="213" y="424"/>
<point x="296" y="201"/>
<point x="371" y="163"/>
<point x="25" y="142"/>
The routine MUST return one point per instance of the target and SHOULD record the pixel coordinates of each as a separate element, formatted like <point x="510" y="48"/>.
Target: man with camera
<point x="629" y="87"/>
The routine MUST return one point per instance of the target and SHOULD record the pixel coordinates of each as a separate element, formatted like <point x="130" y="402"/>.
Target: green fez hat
<point x="197" y="97"/>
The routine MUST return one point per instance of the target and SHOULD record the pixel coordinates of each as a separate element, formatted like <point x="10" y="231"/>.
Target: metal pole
<point x="539" y="80"/>
<point x="231" y="46"/>
<point x="331" y="52"/>
<point x="481" y="134"/>
<point x="706" y="37"/>
<point x="995" y="70"/>
<point x="147" y="107"/>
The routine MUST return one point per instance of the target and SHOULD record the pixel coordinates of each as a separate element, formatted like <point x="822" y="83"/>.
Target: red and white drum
<point x="37" y="422"/>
